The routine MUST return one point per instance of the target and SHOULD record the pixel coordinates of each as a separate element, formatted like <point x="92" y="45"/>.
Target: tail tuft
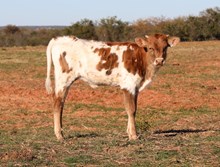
<point x="48" y="86"/>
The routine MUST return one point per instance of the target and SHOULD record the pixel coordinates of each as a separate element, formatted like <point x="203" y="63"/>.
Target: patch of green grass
<point x="196" y="111"/>
<point x="171" y="70"/>
<point x="21" y="60"/>
<point x="142" y="164"/>
<point x="216" y="151"/>
<point x="147" y="116"/>
<point x="214" y="138"/>
<point x="166" y="154"/>
<point x="92" y="107"/>
<point x="142" y="125"/>
<point x="7" y="67"/>
<point x="40" y="76"/>
<point x="80" y="160"/>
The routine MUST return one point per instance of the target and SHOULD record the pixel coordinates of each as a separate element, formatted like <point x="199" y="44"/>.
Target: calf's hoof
<point x="60" y="137"/>
<point x="133" y="137"/>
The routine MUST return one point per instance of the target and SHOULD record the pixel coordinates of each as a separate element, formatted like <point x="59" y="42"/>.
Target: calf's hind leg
<point x="59" y="100"/>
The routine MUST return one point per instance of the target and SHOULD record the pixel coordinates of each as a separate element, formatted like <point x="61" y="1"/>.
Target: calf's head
<point x="156" y="46"/>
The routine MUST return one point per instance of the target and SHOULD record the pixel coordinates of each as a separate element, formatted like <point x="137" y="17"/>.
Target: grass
<point x="91" y="107"/>
<point x="178" y="125"/>
<point x="38" y="147"/>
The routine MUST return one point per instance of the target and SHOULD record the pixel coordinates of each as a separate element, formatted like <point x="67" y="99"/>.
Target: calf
<point x="127" y="65"/>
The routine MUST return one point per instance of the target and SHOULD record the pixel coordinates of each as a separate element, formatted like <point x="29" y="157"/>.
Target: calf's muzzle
<point x="159" y="61"/>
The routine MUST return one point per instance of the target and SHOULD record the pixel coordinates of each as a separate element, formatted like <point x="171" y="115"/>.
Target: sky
<point x="67" y="12"/>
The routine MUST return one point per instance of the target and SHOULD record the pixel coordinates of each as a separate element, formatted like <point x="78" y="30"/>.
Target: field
<point x="178" y="117"/>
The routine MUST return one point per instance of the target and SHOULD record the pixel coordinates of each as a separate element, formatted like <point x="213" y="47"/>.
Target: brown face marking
<point x="108" y="60"/>
<point x="158" y="44"/>
<point x="63" y="63"/>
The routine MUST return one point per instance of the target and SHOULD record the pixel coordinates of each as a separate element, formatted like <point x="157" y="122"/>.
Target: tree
<point x="13" y="36"/>
<point x="112" y="29"/>
<point x="211" y="18"/>
<point x="82" y="29"/>
<point x="11" y="29"/>
<point x="141" y="28"/>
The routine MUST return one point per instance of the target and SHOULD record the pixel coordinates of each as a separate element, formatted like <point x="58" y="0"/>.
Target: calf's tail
<point x="48" y="84"/>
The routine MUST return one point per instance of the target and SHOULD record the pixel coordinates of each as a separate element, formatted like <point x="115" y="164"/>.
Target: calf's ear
<point x="141" y="42"/>
<point x="173" y="41"/>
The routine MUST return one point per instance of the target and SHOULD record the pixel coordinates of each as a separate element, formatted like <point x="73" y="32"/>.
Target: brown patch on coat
<point x="57" y="102"/>
<point x="63" y="63"/>
<point x="135" y="60"/>
<point x="134" y="57"/>
<point x="120" y="43"/>
<point x="57" y="99"/>
<point x="108" y="61"/>
<point x="60" y="96"/>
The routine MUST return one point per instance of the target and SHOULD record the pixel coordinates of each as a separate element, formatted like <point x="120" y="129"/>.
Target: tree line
<point x="205" y="26"/>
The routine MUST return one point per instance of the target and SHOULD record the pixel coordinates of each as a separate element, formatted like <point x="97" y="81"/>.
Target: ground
<point x="178" y="116"/>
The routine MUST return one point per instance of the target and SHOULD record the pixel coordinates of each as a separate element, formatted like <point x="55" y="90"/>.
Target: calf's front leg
<point x="130" y="101"/>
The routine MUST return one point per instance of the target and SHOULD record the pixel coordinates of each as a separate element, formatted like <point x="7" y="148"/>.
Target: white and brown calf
<point x="129" y="66"/>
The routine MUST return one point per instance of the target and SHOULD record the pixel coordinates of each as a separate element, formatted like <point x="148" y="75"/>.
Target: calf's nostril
<point x="159" y="61"/>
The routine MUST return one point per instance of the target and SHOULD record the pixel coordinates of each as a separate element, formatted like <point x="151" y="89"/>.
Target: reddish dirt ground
<point x="16" y="95"/>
